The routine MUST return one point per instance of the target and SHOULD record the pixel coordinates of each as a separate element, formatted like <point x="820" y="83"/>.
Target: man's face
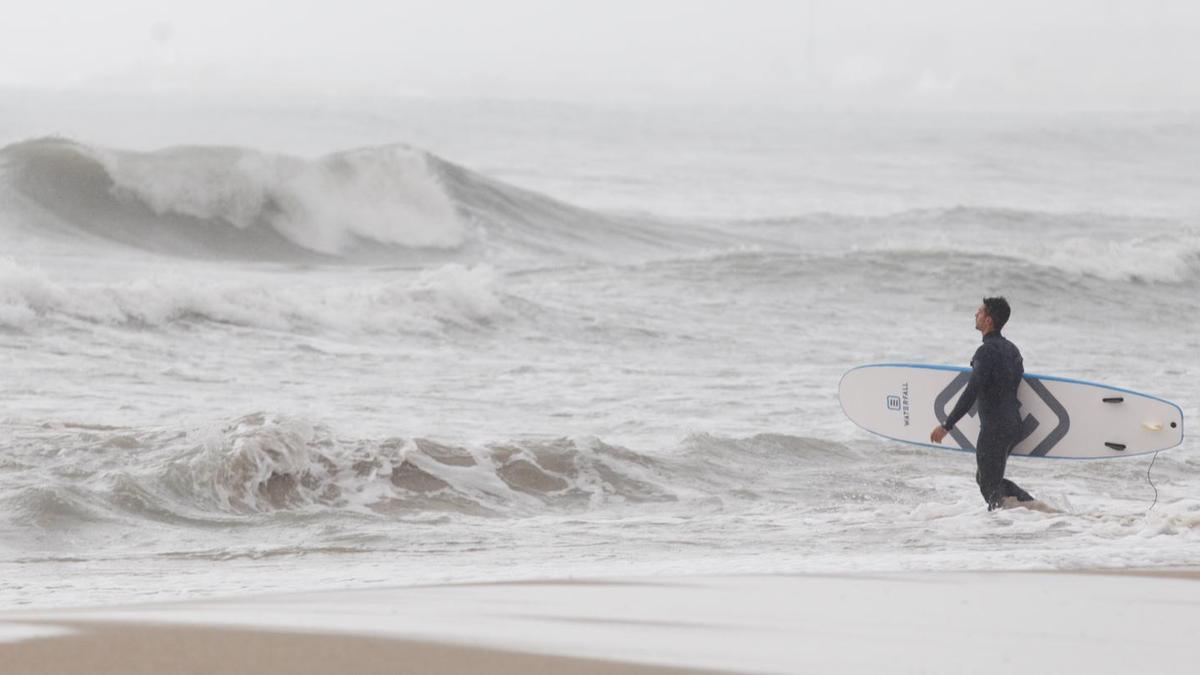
<point x="982" y="320"/>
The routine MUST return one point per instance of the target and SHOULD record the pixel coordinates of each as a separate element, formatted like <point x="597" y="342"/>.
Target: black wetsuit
<point x="996" y="372"/>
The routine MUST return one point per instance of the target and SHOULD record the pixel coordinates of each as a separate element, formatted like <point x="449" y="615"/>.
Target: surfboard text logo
<point x="900" y="403"/>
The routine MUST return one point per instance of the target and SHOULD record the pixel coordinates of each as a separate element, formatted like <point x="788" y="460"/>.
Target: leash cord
<point x="1148" y="479"/>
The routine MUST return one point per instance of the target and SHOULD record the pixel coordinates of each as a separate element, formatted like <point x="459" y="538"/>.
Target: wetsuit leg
<point x="1011" y="489"/>
<point x="991" y="457"/>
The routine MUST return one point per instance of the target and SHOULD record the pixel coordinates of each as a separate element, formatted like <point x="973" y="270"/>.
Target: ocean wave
<point x="1107" y="247"/>
<point x="397" y="204"/>
<point x="1163" y="258"/>
<point x="262" y="464"/>
<point x="215" y="491"/>
<point x="239" y="203"/>
<point x="386" y="195"/>
<point x="430" y="300"/>
<point x="387" y="203"/>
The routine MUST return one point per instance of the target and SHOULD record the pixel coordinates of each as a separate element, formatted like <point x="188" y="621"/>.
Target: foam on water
<point x="262" y="463"/>
<point x="451" y="295"/>
<point x="231" y="201"/>
<point x="1112" y="247"/>
<point x="263" y="487"/>
<point x="386" y="195"/>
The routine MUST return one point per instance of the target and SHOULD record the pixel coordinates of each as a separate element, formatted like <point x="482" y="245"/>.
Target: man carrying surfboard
<point x="996" y="371"/>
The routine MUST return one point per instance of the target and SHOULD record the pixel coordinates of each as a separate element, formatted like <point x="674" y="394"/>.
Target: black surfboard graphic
<point x="1029" y="422"/>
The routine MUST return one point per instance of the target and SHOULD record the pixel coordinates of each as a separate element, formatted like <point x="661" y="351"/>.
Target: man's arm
<point x="981" y="367"/>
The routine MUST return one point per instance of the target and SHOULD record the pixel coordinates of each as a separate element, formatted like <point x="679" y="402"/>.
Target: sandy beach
<point x="134" y="649"/>
<point x="1101" y="621"/>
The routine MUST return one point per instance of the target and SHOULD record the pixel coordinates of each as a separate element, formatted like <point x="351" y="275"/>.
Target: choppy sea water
<point x="609" y="345"/>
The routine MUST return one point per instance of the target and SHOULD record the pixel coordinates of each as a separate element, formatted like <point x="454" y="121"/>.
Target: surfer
<point x="996" y="371"/>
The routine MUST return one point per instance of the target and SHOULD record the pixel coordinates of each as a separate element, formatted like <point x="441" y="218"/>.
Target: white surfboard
<point x="1060" y="417"/>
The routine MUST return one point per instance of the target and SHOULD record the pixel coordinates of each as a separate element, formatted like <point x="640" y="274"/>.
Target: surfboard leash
<point x="1152" y="460"/>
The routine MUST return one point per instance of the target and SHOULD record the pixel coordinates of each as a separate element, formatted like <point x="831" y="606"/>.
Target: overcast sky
<point x="957" y="53"/>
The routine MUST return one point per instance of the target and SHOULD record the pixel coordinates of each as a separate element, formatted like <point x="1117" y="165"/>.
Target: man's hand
<point x="938" y="434"/>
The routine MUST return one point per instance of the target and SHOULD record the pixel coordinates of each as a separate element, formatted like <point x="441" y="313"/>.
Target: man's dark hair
<point x="998" y="309"/>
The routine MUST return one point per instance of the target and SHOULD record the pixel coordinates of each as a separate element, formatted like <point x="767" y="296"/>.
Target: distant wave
<point x="388" y="203"/>
<point x="1109" y="247"/>
<point x="396" y="204"/>
<point x="431" y="300"/>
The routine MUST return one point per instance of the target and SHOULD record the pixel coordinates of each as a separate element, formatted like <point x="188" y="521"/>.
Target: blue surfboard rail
<point x="1027" y="376"/>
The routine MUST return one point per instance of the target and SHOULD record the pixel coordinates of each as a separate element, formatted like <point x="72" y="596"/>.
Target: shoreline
<point x="156" y="649"/>
<point x="930" y="622"/>
<point x="1150" y="572"/>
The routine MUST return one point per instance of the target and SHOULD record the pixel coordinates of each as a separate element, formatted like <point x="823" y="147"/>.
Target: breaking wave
<point x="265" y="485"/>
<point x="68" y="476"/>
<point x="263" y="463"/>
<point x="429" y="300"/>
<point x="1107" y="247"/>
<point x="389" y="203"/>
<point x="397" y="204"/>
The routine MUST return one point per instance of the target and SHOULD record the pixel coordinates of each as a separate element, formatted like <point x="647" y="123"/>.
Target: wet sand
<point x="131" y="649"/>
<point x="1095" y="621"/>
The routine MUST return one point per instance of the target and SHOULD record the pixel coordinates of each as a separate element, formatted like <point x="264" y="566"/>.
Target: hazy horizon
<point x="864" y="54"/>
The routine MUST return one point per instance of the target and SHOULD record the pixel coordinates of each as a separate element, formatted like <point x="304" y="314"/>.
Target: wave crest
<point x="390" y="203"/>
<point x="261" y="464"/>
<point x="238" y="202"/>
<point x="387" y="195"/>
<point x="431" y="300"/>
<point x="1108" y="247"/>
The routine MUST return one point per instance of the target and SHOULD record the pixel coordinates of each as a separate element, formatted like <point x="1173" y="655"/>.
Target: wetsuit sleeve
<point x="981" y="367"/>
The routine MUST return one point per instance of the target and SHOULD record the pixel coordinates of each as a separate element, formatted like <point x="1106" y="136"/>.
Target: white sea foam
<point x="16" y="632"/>
<point x="1109" y="247"/>
<point x="1169" y="258"/>
<point x="385" y="195"/>
<point x="263" y="463"/>
<point x="380" y="204"/>
<point x="450" y="295"/>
